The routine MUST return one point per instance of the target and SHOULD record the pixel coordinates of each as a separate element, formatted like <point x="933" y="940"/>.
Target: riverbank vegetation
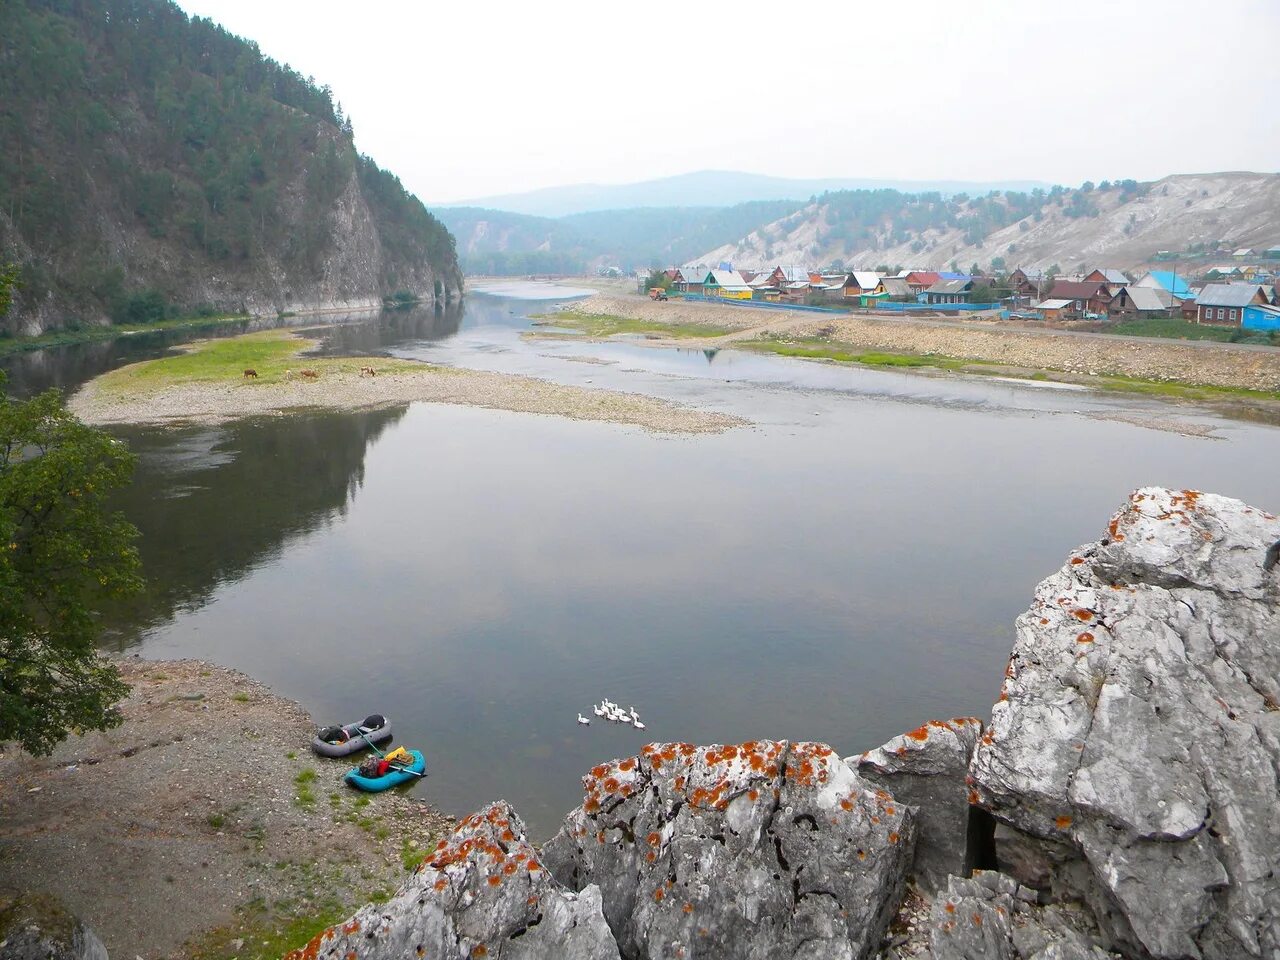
<point x="602" y="325"/>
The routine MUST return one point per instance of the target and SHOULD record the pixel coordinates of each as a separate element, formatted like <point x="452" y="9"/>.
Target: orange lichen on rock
<point x="753" y="794"/>
<point x="1083" y="615"/>
<point x="351" y="926"/>
<point x="627" y="764"/>
<point x="534" y="866"/>
<point x="658" y="894"/>
<point x="494" y="880"/>
<point x="893" y="836"/>
<point x="950" y="907"/>
<point x="1076" y="561"/>
<point x="654" y="839"/>
<point x="977" y="919"/>
<point x="479" y="950"/>
<point x="687" y="908"/>
<point x="1085" y="637"/>
<point x="1063" y="822"/>
<point x="920" y="733"/>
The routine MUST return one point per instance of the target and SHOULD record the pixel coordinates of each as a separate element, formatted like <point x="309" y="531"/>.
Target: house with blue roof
<point x="1167" y="280"/>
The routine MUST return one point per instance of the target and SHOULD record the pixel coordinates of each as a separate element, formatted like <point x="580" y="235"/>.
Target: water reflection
<point x="213" y="503"/>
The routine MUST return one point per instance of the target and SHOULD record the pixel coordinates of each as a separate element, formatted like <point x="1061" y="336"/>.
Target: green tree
<point x="61" y="553"/>
<point x="8" y="280"/>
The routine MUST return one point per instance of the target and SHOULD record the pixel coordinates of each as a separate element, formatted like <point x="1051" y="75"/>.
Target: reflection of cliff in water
<point x="211" y="503"/>
<point x="392" y="328"/>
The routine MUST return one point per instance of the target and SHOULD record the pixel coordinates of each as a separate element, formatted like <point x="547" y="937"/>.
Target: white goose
<point x="635" y="719"/>
<point x="598" y="710"/>
<point x="582" y="719"/>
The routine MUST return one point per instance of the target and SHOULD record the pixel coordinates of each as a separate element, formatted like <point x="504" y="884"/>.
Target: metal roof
<point x="866" y="279"/>
<point x="1051" y="304"/>
<point x="793" y="274"/>
<point x="949" y="286"/>
<point x="1149" y="298"/>
<point x="1228" y="294"/>
<point x="729" y="280"/>
<point x="1114" y="276"/>
<point x="896" y="287"/>
<point x="1168" y="279"/>
<point x="1078" y="289"/>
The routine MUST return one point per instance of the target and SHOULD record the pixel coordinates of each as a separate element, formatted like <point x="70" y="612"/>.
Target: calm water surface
<point x="842" y="570"/>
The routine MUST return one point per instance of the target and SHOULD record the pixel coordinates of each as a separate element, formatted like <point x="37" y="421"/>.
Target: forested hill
<point x="151" y="163"/>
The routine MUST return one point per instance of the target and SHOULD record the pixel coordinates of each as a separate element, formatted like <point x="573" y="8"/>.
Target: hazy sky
<point x="465" y="98"/>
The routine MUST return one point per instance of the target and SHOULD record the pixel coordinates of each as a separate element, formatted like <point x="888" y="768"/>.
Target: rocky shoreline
<point x="1201" y="363"/>
<point x="195" y="826"/>
<point x="1123" y="801"/>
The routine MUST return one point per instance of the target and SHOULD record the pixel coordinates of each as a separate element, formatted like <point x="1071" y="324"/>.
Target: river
<point x="842" y="570"/>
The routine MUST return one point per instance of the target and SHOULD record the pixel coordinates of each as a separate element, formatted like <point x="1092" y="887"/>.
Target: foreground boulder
<point x="758" y="850"/>
<point x="1133" y="755"/>
<point x="36" y="927"/>
<point x="991" y="917"/>
<point x="927" y="769"/>
<point x="483" y="892"/>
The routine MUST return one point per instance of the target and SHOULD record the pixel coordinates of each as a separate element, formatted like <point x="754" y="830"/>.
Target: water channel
<point x="843" y="569"/>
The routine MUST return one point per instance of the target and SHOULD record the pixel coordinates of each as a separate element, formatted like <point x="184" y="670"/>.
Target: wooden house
<point x="1135" y="302"/>
<point x="921" y="280"/>
<point x="1090" y="296"/>
<point x="949" y="291"/>
<point x="1224" y="303"/>
<point x="726" y="284"/>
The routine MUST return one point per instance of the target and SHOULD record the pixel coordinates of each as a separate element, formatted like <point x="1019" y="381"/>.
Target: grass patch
<point x="413" y="856"/>
<point x="240" y="697"/>
<point x="607" y="325"/>
<point x="62" y="338"/>
<point x="1171" y="329"/>
<point x="1183" y="391"/>
<point x="267" y="935"/>
<point x="823" y="351"/>
<point x="217" y="820"/>
<point x="304" y="796"/>
<point x="271" y="354"/>
<point x="292" y="755"/>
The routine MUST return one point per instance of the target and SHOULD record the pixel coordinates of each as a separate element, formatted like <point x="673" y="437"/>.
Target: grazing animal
<point x="368" y="372"/>
<point x="251" y="374"/>
<point x="310" y="375"/>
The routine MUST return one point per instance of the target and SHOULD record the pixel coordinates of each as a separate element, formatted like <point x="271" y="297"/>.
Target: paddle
<point x="399" y="768"/>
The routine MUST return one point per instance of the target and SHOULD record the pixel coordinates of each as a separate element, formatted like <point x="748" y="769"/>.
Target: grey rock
<point x="986" y="917"/>
<point x="1136" y="742"/>
<point x="758" y="850"/>
<point x="483" y="892"/>
<point x="927" y="768"/>
<point x="35" y="926"/>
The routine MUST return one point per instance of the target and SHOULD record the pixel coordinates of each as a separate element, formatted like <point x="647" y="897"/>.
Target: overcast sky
<point x="464" y="98"/>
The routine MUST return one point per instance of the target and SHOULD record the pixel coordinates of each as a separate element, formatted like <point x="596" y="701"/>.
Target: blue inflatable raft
<point x="392" y="778"/>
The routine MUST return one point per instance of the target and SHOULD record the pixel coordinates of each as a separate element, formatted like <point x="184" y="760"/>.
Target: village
<point x="1240" y="295"/>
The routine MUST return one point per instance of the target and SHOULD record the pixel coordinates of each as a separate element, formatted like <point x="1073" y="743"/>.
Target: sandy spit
<point x="1200" y="362"/>
<point x="213" y="403"/>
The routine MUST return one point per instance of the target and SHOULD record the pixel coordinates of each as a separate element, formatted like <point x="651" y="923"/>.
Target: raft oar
<point x="399" y="769"/>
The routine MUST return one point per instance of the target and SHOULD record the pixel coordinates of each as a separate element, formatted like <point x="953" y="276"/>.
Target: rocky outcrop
<point x="37" y="927"/>
<point x="1133" y="753"/>
<point x="927" y="770"/>
<point x="483" y="892"/>
<point x="763" y="849"/>
<point x="990" y="916"/>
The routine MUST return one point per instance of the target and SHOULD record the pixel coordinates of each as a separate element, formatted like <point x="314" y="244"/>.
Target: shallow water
<point x="845" y="568"/>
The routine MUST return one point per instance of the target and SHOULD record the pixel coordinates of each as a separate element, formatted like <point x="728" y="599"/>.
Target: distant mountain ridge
<point x="1120" y="224"/>
<point x="708" y="188"/>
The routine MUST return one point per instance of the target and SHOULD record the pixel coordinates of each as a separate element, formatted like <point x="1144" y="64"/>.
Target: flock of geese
<point x="612" y="712"/>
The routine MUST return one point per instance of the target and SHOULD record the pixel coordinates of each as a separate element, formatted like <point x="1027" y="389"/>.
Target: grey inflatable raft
<point x="352" y="737"/>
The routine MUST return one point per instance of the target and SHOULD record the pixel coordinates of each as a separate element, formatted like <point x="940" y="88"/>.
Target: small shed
<point x="1258" y="316"/>
<point x="1053" y="309"/>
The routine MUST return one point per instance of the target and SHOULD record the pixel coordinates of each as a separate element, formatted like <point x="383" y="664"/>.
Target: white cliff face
<point x="1139" y="727"/>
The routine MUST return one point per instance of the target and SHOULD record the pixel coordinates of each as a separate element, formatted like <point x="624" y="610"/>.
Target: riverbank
<point x="203" y="825"/>
<point x="1199" y="370"/>
<point x="207" y="383"/>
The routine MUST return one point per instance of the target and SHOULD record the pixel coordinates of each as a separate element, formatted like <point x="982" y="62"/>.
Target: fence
<point x="767" y="304"/>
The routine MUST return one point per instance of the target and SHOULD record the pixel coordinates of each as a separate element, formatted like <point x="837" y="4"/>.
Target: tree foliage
<point x="62" y="551"/>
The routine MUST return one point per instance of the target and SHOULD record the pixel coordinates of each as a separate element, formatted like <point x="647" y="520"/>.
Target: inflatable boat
<point x="352" y="737"/>
<point x="392" y="778"/>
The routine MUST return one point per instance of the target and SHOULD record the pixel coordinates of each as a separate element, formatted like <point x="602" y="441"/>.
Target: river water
<point x="842" y="570"/>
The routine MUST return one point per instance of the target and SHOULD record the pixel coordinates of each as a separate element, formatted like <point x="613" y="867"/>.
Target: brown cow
<point x="368" y="372"/>
<point x="251" y="374"/>
<point x="311" y="375"/>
